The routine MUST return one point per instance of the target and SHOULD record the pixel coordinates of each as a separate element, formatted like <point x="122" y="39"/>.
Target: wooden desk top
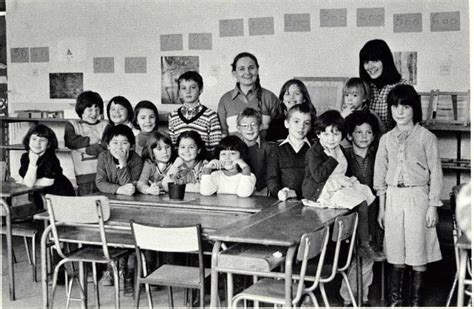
<point x="281" y="225"/>
<point x="10" y="189"/>
<point x="217" y="203"/>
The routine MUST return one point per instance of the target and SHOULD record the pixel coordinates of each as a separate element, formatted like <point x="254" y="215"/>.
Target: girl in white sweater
<point x="231" y="173"/>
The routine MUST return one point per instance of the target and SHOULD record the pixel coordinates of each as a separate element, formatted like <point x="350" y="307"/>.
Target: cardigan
<point x="319" y="166"/>
<point x="109" y="177"/>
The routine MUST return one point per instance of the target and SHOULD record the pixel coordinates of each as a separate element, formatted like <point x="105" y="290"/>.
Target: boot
<point x="415" y="288"/>
<point x="396" y="283"/>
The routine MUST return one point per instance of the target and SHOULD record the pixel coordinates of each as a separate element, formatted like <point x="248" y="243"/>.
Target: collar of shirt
<point x="190" y="112"/>
<point x="258" y="142"/>
<point x="296" y="148"/>
<point x="237" y="91"/>
<point x="402" y="136"/>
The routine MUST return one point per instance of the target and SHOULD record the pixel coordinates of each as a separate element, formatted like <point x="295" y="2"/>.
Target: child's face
<point x="228" y="158"/>
<point x="298" y="125"/>
<point x="374" y="68"/>
<point x="146" y="120"/>
<point x="188" y="150"/>
<point x="162" y="152"/>
<point x="91" y="114"/>
<point x="38" y="144"/>
<point x="363" y="136"/>
<point x="246" y="71"/>
<point x="330" y="138"/>
<point x="292" y="96"/>
<point x="402" y="114"/>
<point x="249" y="128"/>
<point x="119" y="144"/>
<point x="118" y="114"/>
<point x="189" y="91"/>
<point x="353" y="98"/>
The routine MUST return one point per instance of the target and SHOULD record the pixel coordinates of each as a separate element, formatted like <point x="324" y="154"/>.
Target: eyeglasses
<point x="247" y="126"/>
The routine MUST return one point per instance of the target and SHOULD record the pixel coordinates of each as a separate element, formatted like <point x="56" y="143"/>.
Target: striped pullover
<point x="205" y="122"/>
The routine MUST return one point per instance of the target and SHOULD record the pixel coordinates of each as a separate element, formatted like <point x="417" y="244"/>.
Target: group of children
<point x="260" y="144"/>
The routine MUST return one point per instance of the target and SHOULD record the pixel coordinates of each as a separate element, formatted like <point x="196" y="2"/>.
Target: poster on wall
<point x="325" y="92"/>
<point x="171" y="68"/>
<point x="65" y="85"/>
<point x="406" y="63"/>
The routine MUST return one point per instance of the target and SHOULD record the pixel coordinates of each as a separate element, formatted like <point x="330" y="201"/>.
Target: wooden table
<point x="213" y="213"/>
<point x="464" y="246"/>
<point x="282" y="225"/>
<point x="10" y="190"/>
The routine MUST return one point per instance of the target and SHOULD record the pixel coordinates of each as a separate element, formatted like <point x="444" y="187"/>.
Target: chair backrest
<point x="312" y="244"/>
<point x="91" y="211"/>
<point x="167" y="239"/>
<point x="345" y="228"/>
<point x="78" y="209"/>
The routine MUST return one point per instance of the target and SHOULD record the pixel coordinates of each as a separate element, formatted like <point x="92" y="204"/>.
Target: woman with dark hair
<point x="376" y="66"/>
<point x="247" y="93"/>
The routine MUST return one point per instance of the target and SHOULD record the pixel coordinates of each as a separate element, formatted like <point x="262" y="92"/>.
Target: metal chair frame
<point x="344" y="227"/>
<point x="311" y="245"/>
<point x="90" y="212"/>
<point x="168" y="239"/>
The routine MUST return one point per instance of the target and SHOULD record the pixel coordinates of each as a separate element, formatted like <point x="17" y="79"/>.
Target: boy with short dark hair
<point x="83" y="137"/>
<point x="249" y="122"/>
<point x="286" y="169"/>
<point x="363" y="131"/>
<point x="193" y="115"/>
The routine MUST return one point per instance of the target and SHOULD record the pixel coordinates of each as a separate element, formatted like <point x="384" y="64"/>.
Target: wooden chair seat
<point x="268" y="290"/>
<point x="22" y="229"/>
<point x="176" y="275"/>
<point x="251" y="257"/>
<point x="95" y="254"/>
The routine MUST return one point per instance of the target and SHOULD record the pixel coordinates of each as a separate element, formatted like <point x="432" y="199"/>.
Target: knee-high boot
<point x="416" y="288"/>
<point x="396" y="283"/>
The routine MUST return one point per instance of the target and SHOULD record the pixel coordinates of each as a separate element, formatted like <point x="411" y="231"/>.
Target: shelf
<point x="61" y="148"/>
<point x="448" y="127"/>
<point x="24" y="119"/>
<point x="458" y="165"/>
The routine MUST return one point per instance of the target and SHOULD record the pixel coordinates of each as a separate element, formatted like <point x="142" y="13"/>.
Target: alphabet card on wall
<point x="20" y="55"/>
<point x="135" y="64"/>
<point x="39" y="54"/>
<point x="103" y="64"/>
<point x="261" y="26"/>
<point x="171" y="42"/>
<point x="370" y="17"/>
<point x="297" y="22"/>
<point x="231" y="27"/>
<point x="72" y="50"/>
<point x="407" y="22"/>
<point x="445" y="21"/>
<point x="200" y="41"/>
<point x="333" y="18"/>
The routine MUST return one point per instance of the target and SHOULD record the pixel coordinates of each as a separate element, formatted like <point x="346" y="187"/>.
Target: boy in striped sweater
<point x="193" y="115"/>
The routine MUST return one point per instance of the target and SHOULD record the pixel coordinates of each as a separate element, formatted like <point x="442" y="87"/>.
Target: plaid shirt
<point x="378" y="101"/>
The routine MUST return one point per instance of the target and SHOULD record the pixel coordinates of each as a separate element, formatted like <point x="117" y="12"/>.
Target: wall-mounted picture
<point x="406" y="63"/>
<point x="65" y="85"/>
<point x="325" y="92"/>
<point x="171" y="68"/>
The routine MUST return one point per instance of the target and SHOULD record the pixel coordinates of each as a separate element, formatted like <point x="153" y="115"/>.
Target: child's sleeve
<point x="145" y="176"/>
<point x="171" y="128"/>
<point x="72" y="140"/>
<point x="169" y="177"/>
<point x="101" y="178"/>
<point x="273" y="172"/>
<point x="222" y="113"/>
<point x="135" y="166"/>
<point x="208" y="184"/>
<point x="214" y="131"/>
<point x="381" y="167"/>
<point x="319" y="165"/>
<point x="436" y="171"/>
<point x="246" y="185"/>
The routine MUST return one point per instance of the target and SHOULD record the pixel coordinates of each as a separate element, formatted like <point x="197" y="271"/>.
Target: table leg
<point x="11" y="273"/>
<point x="44" y="267"/>
<point x="462" y="276"/>
<point x="214" y="275"/>
<point x="359" y="275"/>
<point x="83" y="282"/>
<point x="288" y="275"/>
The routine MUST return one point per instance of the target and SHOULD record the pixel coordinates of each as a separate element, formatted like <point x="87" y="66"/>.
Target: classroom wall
<point x="119" y="28"/>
